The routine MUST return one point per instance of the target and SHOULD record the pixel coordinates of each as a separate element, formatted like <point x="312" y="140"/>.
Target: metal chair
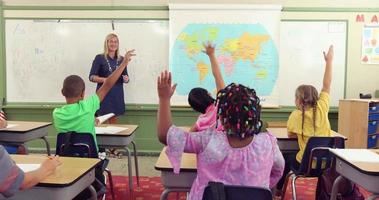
<point x="316" y="159"/>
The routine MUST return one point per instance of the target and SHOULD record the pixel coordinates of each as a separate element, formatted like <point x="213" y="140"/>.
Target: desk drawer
<point x="372" y="141"/>
<point x="373" y="109"/>
<point x="372" y="127"/>
<point x="373" y="117"/>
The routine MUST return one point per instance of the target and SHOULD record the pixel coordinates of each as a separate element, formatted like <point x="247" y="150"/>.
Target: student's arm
<point x="3" y="123"/>
<point x="210" y="51"/>
<point x="165" y="91"/>
<point x="277" y="167"/>
<point x="34" y="177"/>
<point x="328" y="70"/>
<point x="193" y="128"/>
<point x="112" y="79"/>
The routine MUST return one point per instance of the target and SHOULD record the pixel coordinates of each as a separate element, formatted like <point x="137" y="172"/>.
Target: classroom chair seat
<point x="219" y="191"/>
<point x="316" y="159"/>
<point x="73" y="144"/>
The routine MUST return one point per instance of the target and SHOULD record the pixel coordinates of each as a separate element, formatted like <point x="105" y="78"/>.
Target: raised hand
<point x="128" y="55"/>
<point x="209" y="49"/>
<point x="164" y="87"/>
<point x="329" y="56"/>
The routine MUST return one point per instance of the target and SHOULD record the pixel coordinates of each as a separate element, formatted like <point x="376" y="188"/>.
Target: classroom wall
<point x="359" y="77"/>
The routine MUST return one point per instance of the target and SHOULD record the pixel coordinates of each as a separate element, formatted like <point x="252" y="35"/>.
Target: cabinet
<point x="358" y="120"/>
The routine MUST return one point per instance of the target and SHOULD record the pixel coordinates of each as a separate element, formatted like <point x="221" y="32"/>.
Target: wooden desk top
<point x="66" y="174"/>
<point x="277" y="124"/>
<point x="281" y="133"/>
<point x="24" y="126"/>
<point x="129" y="131"/>
<point x="188" y="162"/>
<point x="364" y="167"/>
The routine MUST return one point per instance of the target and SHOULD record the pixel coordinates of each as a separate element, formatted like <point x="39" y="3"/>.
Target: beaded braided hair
<point x="239" y="110"/>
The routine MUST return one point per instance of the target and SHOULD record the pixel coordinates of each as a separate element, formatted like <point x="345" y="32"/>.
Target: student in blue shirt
<point x="103" y="66"/>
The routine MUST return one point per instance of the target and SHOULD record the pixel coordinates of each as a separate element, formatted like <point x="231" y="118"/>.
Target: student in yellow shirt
<point x="311" y="116"/>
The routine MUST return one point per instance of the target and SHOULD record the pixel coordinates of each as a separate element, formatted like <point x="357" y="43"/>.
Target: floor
<point x="119" y="166"/>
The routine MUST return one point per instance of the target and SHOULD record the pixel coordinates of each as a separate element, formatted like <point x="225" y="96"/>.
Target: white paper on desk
<point x="103" y="118"/>
<point x="28" y="167"/>
<point x="358" y="155"/>
<point x="9" y="126"/>
<point x="109" y="129"/>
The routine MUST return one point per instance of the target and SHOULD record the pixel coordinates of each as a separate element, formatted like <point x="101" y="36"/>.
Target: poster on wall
<point x="370" y="45"/>
<point x="247" y="47"/>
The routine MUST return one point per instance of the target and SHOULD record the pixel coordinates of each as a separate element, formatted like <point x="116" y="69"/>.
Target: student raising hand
<point x="165" y="89"/>
<point x="329" y="56"/>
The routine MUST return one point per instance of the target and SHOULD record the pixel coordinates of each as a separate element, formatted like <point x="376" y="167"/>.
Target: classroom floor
<point x="145" y="164"/>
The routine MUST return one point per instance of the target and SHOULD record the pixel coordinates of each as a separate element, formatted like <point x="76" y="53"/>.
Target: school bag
<point x="347" y="190"/>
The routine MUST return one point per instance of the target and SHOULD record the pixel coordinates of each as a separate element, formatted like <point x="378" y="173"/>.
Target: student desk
<point x="365" y="174"/>
<point x="121" y="140"/>
<point x="276" y="124"/>
<point x="287" y="144"/>
<point x="68" y="180"/>
<point x="181" y="182"/>
<point x="24" y="132"/>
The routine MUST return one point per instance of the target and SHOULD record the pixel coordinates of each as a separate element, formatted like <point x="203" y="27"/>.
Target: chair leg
<point x="294" y="187"/>
<point x="136" y="161"/>
<point x="284" y="189"/>
<point x="110" y="182"/>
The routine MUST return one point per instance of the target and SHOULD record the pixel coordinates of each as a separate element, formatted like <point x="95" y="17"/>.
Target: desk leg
<point x="47" y="145"/>
<point x="336" y="183"/>
<point x="129" y="170"/>
<point x="136" y="161"/>
<point x="93" y="192"/>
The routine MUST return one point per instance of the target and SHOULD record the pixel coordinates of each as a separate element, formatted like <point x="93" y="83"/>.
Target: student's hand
<point x="125" y="78"/>
<point x="50" y="164"/>
<point x="165" y="89"/>
<point x="128" y="56"/>
<point x="3" y="123"/>
<point x="97" y="122"/>
<point x="329" y="56"/>
<point x="209" y="49"/>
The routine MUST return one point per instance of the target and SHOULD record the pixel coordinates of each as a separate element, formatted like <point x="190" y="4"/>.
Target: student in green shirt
<point x="79" y="113"/>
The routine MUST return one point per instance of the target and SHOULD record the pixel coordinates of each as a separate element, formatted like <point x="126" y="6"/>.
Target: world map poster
<point x="246" y="50"/>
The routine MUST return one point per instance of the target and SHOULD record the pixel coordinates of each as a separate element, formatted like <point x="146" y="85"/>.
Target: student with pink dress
<point x="238" y="155"/>
<point x="201" y="100"/>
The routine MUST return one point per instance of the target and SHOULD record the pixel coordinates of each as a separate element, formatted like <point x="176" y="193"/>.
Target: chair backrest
<point x="316" y="157"/>
<point x="219" y="191"/>
<point x="75" y="144"/>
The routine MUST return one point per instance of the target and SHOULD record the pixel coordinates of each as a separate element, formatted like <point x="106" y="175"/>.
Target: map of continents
<point x="246" y="54"/>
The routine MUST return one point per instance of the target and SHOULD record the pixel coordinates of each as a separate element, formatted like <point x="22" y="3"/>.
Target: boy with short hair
<point x="79" y="113"/>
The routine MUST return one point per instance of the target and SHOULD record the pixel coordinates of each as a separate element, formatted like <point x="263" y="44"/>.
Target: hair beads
<point x="238" y="107"/>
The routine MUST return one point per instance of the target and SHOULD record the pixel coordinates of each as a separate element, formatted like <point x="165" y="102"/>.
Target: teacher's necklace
<point x="109" y="64"/>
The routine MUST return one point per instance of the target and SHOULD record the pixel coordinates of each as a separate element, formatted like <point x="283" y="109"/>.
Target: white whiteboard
<point x="302" y="60"/>
<point x="41" y="53"/>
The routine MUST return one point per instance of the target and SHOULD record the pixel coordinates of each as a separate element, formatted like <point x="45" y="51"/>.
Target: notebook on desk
<point x="109" y="129"/>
